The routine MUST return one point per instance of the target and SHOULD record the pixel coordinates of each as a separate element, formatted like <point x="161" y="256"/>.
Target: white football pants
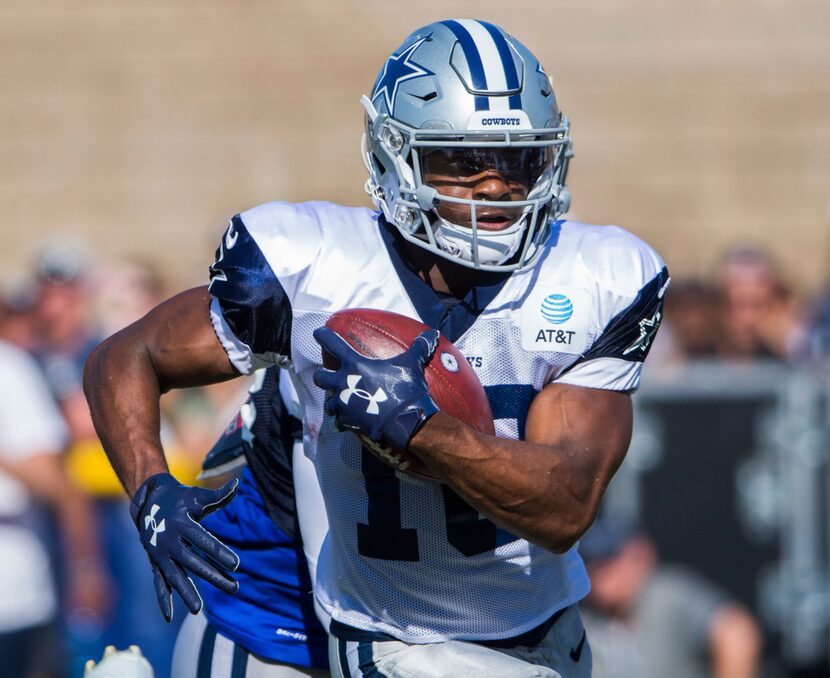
<point x="202" y="652"/>
<point x="563" y="653"/>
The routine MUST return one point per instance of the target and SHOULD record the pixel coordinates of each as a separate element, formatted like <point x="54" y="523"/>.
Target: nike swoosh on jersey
<point x="576" y="652"/>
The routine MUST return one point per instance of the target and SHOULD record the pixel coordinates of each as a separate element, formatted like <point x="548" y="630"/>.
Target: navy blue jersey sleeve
<point x="615" y="358"/>
<point x="251" y="311"/>
<point x="631" y="332"/>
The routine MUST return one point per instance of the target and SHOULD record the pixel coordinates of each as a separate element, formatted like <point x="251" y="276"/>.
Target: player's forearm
<point x="529" y="489"/>
<point x="123" y="391"/>
<point x="173" y="346"/>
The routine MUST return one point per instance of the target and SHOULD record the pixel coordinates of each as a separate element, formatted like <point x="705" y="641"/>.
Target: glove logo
<point x="150" y="523"/>
<point x="379" y="396"/>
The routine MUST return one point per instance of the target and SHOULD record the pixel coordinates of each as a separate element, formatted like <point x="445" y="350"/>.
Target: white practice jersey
<point x="405" y="556"/>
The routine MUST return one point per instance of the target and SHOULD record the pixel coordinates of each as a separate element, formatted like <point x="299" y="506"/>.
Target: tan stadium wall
<point x="143" y="125"/>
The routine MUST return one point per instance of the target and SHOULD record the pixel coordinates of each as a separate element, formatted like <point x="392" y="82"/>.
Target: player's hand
<point x="166" y="514"/>
<point x="385" y="400"/>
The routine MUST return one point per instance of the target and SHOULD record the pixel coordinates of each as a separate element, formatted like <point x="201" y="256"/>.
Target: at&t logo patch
<point x="556" y="320"/>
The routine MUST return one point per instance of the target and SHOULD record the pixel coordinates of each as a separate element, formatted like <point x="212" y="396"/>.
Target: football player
<point x="467" y="153"/>
<point x="269" y="628"/>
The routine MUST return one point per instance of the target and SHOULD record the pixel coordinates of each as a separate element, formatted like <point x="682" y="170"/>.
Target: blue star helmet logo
<point x="397" y="69"/>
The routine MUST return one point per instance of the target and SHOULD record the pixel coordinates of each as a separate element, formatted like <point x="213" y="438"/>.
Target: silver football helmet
<point x="460" y="99"/>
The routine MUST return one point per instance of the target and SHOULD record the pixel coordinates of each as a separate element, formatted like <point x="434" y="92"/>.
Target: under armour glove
<point x="166" y="514"/>
<point x="385" y="400"/>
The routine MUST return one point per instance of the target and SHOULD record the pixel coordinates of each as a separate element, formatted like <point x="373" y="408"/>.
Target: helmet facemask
<point x="457" y="228"/>
<point x="485" y="231"/>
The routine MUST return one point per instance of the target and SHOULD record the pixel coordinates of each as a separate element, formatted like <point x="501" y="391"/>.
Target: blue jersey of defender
<point x="272" y="614"/>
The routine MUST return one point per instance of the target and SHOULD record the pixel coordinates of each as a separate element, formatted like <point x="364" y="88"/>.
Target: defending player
<point x="269" y="628"/>
<point x="467" y="153"/>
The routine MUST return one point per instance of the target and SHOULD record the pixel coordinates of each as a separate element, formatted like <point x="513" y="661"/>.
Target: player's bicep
<point x="590" y="428"/>
<point x="181" y="343"/>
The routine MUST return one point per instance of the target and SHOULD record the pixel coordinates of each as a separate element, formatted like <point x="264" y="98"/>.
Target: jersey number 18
<point x="384" y="537"/>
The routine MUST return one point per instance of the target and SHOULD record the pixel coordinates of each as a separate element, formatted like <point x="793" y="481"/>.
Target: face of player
<point x="484" y="174"/>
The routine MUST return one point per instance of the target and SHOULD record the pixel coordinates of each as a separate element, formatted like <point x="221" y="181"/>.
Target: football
<point x="452" y="383"/>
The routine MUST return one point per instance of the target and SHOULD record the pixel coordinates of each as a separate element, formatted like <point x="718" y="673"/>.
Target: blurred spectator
<point x="32" y="435"/>
<point x="691" y="311"/>
<point x="60" y="324"/>
<point x="124" y="291"/>
<point x="820" y="328"/>
<point x="17" y="314"/>
<point x="64" y="330"/>
<point x="760" y="316"/>
<point x="690" y="324"/>
<point x="648" y="620"/>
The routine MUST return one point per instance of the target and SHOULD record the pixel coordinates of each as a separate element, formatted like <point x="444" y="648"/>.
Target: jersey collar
<point x="451" y="322"/>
